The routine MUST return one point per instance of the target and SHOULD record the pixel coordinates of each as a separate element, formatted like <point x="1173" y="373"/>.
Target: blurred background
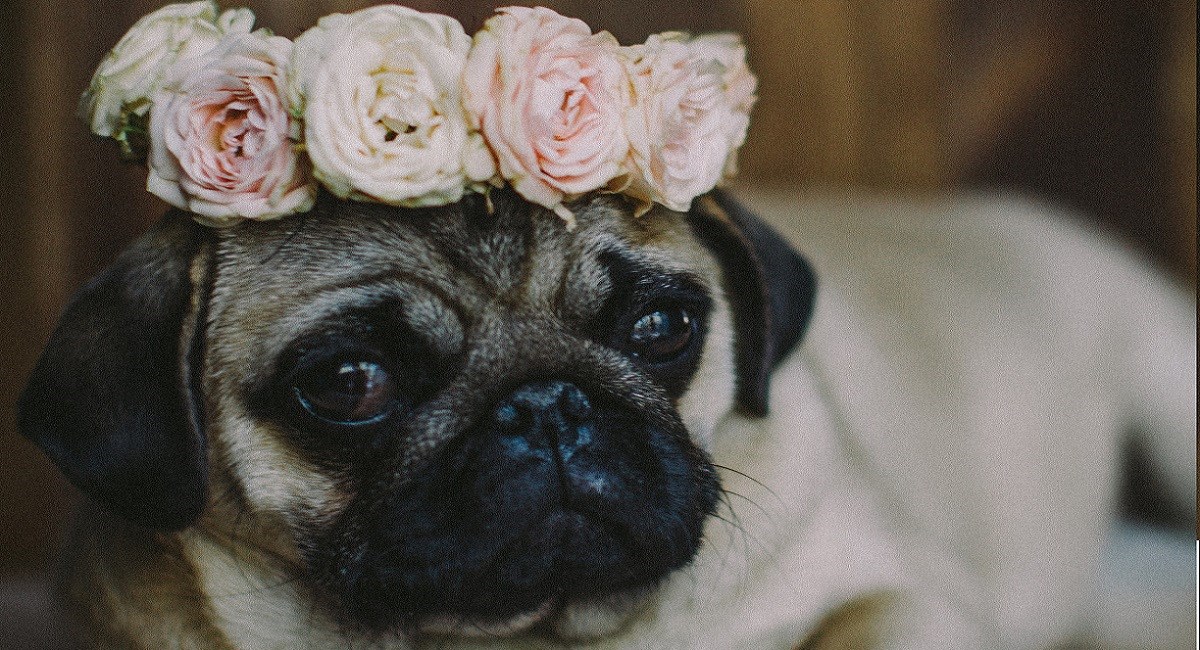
<point x="1088" y="104"/>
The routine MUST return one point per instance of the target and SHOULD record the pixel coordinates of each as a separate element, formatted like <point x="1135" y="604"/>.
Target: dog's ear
<point x="771" y="289"/>
<point x="111" y="400"/>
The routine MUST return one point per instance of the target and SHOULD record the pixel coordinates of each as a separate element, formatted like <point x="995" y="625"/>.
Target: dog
<point x="473" y="427"/>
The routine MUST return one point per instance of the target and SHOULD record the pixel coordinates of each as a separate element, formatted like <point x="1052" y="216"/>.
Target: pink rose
<point x="220" y="134"/>
<point x="117" y="101"/>
<point x="691" y="108"/>
<point x="548" y="96"/>
<point x="677" y="137"/>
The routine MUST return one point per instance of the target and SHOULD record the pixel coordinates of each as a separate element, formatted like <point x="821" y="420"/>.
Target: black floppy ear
<point x="771" y="290"/>
<point x="111" y="400"/>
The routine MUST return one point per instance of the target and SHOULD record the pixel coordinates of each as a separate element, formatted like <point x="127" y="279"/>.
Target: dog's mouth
<point x="563" y="538"/>
<point x="503" y="531"/>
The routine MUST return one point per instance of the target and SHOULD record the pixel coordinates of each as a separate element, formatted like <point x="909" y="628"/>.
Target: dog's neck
<point x="129" y="587"/>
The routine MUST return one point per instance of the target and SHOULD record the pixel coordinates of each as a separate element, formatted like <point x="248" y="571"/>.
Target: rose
<point x="379" y="91"/>
<point x="401" y="107"/>
<point x="677" y="132"/>
<point x="117" y="100"/>
<point x="220" y="135"/>
<point x="548" y="96"/>
<point x="692" y="99"/>
<point x="740" y="84"/>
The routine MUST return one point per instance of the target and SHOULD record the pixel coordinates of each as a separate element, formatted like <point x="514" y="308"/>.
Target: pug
<point x="474" y="427"/>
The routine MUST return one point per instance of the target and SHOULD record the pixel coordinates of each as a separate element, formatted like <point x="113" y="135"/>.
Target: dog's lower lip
<point x="457" y="626"/>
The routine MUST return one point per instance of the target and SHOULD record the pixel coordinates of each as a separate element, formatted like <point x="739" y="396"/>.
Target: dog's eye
<point x="347" y="392"/>
<point x="661" y="335"/>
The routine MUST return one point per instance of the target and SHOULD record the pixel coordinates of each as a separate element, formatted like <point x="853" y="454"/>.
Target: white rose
<point x="118" y="98"/>
<point x="379" y="91"/>
<point x="739" y="82"/>
<point x="678" y="127"/>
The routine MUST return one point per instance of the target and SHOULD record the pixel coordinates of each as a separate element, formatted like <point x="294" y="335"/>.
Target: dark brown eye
<point x="661" y="335"/>
<point x="347" y="392"/>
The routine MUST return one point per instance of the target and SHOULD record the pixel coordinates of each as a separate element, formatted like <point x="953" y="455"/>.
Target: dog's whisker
<point x="747" y="535"/>
<point x="767" y="513"/>
<point x="726" y="556"/>
<point x="728" y="550"/>
<point x="750" y="478"/>
<point x="768" y="516"/>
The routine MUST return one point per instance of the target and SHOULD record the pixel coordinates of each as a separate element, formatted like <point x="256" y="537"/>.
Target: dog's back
<point x="991" y="361"/>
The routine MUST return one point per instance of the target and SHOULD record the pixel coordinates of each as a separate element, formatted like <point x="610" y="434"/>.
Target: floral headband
<point x="396" y="106"/>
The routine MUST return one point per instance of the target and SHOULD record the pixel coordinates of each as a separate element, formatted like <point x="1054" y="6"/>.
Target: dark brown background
<point x="1089" y="104"/>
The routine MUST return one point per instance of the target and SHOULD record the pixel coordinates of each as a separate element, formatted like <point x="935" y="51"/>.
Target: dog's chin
<point x="572" y="577"/>
<point x="453" y="626"/>
<point x="573" y="574"/>
<point x="584" y="620"/>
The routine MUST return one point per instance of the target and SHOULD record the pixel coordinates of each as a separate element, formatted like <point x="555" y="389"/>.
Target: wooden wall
<point x="1091" y="104"/>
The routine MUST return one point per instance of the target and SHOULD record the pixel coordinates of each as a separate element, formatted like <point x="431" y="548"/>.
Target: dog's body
<point x="988" y="361"/>
<point x="937" y="466"/>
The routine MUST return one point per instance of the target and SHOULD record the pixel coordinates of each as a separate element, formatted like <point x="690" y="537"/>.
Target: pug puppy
<point x="472" y="427"/>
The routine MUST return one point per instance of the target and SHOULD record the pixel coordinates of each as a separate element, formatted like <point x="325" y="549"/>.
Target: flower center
<point x="238" y="127"/>
<point x="233" y="131"/>
<point x="401" y="114"/>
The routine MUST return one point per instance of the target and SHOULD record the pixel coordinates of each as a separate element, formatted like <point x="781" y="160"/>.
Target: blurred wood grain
<point x="1179" y="108"/>
<point x="849" y="93"/>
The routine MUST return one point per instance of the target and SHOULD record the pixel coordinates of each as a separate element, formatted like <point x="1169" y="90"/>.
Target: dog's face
<point x="467" y="413"/>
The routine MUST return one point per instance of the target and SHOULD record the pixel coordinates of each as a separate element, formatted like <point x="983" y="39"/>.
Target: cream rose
<point x="118" y="98"/>
<point x="221" y="135"/>
<point x="379" y="91"/>
<point x="548" y="96"/>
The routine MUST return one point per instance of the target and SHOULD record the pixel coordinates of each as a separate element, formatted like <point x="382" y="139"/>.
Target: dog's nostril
<point x="574" y="404"/>
<point x="507" y="417"/>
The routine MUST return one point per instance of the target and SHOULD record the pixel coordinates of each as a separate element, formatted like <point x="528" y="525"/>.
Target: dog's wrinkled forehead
<point x="445" y="268"/>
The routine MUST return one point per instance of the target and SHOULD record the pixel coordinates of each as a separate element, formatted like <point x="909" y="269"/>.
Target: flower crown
<point x="401" y="107"/>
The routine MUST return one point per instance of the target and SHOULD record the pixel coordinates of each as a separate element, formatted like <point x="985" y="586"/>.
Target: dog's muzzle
<point x="555" y="495"/>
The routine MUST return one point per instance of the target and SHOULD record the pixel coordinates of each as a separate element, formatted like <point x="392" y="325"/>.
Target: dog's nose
<point x="544" y="416"/>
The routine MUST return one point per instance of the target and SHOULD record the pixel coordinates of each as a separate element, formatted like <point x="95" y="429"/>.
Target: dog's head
<point x="467" y="412"/>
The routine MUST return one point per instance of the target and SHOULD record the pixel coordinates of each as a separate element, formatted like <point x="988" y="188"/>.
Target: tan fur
<point x="854" y="625"/>
<point x="137" y="591"/>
